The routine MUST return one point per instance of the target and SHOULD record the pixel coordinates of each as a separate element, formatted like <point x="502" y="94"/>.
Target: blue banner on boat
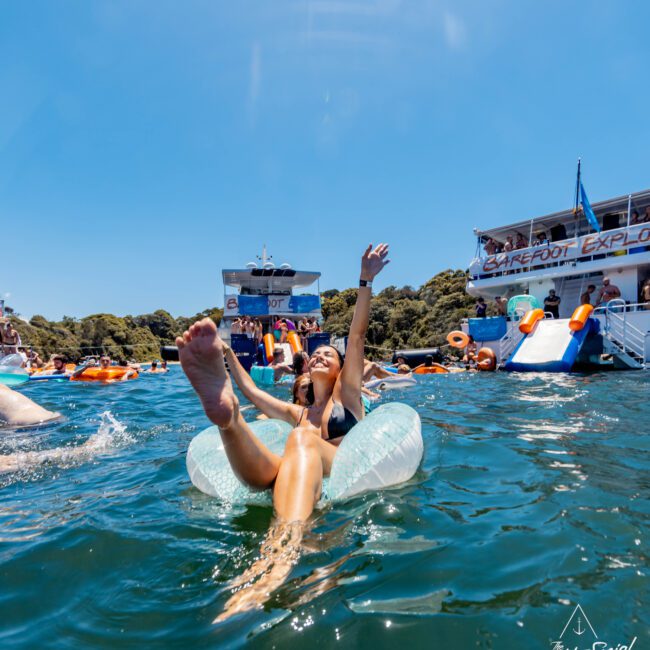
<point x="487" y="329"/>
<point x="304" y="304"/>
<point x="253" y="305"/>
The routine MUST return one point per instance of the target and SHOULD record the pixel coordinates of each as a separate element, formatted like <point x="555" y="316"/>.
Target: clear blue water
<point x="532" y="497"/>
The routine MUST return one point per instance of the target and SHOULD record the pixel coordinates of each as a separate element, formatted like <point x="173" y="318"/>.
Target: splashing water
<point x="111" y="434"/>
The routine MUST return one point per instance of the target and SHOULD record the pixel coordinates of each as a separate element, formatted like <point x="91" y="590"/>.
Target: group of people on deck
<point x="607" y="292"/>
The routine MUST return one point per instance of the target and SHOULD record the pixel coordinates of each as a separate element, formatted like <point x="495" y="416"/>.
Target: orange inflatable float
<point x="580" y="317"/>
<point x="457" y="339"/>
<point x="114" y="373"/>
<point x="269" y="346"/>
<point x="528" y="322"/>
<point x="69" y="367"/>
<point x="294" y="341"/>
<point x="487" y="360"/>
<point x="434" y="369"/>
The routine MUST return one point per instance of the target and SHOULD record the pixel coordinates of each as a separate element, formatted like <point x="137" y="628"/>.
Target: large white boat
<point x="572" y="256"/>
<point x="267" y="292"/>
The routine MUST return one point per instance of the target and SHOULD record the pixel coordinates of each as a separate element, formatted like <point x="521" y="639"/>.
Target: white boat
<point x="574" y="257"/>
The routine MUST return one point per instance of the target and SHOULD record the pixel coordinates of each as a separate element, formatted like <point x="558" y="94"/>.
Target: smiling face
<point x="325" y="363"/>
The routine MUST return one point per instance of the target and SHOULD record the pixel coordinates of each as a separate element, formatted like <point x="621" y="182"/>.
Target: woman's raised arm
<point x="269" y="405"/>
<point x="372" y="262"/>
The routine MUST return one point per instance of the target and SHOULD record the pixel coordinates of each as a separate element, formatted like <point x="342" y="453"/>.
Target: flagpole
<point x="575" y="207"/>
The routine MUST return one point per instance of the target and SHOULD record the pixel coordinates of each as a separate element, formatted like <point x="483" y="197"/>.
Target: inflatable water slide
<point x="551" y="344"/>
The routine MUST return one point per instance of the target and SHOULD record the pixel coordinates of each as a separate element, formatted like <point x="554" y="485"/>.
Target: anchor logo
<point x="579" y="629"/>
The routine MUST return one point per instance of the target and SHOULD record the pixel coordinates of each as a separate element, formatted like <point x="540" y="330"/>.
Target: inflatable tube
<point x="294" y="341"/>
<point x="11" y="371"/>
<point x="41" y="377"/>
<point x="269" y="346"/>
<point x="391" y="383"/>
<point x="487" y="360"/>
<point x="457" y="339"/>
<point x="436" y="369"/>
<point x="382" y="450"/>
<point x="114" y="373"/>
<point x="262" y="375"/>
<point x="528" y="322"/>
<point x="12" y="378"/>
<point x="44" y="371"/>
<point x="522" y="303"/>
<point x="416" y="357"/>
<point x="11" y="361"/>
<point x="169" y="353"/>
<point x="580" y="317"/>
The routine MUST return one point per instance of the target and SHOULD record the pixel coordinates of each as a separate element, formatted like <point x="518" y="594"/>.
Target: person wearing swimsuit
<point x="296" y="476"/>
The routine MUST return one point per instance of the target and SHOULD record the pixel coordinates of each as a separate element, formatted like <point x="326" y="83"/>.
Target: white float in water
<point x="382" y="450"/>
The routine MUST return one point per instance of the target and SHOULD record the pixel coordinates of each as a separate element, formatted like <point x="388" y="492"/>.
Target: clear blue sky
<point x="147" y="145"/>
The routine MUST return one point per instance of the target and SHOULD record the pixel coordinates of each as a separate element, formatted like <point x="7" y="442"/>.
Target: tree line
<point x="399" y="318"/>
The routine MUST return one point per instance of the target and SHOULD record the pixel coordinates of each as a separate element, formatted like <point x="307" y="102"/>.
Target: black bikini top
<point x="340" y="422"/>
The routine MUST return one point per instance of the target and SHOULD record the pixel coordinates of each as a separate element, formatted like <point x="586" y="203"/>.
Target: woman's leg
<point x="307" y="458"/>
<point x="201" y="355"/>
<point x="372" y="369"/>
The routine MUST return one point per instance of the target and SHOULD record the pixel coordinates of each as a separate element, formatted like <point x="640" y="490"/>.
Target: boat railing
<point x="572" y="251"/>
<point x="621" y="331"/>
<point x="509" y="340"/>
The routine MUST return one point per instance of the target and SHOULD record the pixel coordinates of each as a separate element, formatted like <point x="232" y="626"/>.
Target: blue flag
<point x="586" y="206"/>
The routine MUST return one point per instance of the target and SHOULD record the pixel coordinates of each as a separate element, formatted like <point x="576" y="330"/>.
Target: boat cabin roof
<point x="574" y="225"/>
<point x="269" y="279"/>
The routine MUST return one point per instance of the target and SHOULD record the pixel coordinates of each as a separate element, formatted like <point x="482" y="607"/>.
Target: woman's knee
<point x="301" y="440"/>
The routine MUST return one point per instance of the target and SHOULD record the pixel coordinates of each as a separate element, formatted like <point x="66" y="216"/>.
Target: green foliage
<point x="399" y="318"/>
<point x="406" y="317"/>
<point x="130" y="337"/>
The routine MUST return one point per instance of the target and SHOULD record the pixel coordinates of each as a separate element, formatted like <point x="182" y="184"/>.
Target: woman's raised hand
<point x="372" y="262"/>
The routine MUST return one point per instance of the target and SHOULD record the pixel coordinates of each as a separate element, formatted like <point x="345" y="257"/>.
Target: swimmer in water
<point x="296" y="477"/>
<point x="18" y="411"/>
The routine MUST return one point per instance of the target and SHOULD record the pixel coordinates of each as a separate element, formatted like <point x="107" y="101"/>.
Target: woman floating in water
<point x="296" y="477"/>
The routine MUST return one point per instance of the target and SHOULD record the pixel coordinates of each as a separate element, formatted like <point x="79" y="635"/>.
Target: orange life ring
<point x="104" y="374"/>
<point x="487" y="360"/>
<point x="458" y="339"/>
<point x="580" y="317"/>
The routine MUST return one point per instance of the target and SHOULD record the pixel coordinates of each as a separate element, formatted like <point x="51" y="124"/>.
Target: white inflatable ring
<point x="394" y="382"/>
<point x="382" y="450"/>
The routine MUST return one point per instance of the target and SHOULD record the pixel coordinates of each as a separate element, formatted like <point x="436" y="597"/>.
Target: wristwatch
<point x="365" y="283"/>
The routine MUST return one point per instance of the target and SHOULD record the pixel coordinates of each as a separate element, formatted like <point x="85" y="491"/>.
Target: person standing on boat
<point x="10" y="338"/>
<point x="585" y="298"/>
<point x="480" y="307"/>
<point x="608" y="292"/>
<point x="552" y="304"/>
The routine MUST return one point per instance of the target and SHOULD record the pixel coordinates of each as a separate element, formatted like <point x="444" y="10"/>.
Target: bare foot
<point x="200" y="351"/>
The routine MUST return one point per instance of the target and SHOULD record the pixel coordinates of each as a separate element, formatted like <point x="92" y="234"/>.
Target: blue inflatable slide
<point x="550" y="347"/>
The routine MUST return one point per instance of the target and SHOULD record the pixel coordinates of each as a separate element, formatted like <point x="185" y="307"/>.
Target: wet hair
<point x="428" y="360"/>
<point x="310" y="390"/>
<point x="338" y="354"/>
<point x="299" y="363"/>
<point x="58" y="357"/>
